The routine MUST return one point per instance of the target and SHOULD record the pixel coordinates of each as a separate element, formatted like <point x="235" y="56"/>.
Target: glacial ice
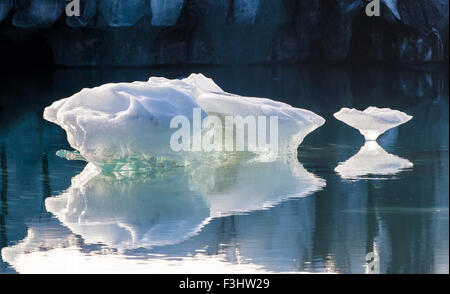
<point x="372" y="160"/>
<point x="132" y="210"/>
<point x="130" y="122"/>
<point x="124" y="121"/>
<point x="373" y="121"/>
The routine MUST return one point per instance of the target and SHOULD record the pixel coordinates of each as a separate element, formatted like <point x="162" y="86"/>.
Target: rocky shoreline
<point x="159" y="32"/>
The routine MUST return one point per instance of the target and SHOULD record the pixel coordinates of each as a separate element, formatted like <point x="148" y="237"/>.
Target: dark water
<point x="125" y="225"/>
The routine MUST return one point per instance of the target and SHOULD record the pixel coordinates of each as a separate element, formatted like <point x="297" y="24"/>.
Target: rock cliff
<point x="151" y="32"/>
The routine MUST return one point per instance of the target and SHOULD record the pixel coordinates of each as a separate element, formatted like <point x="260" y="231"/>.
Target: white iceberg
<point x="131" y="121"/>
<point x="373" y="121"/>
<point x="122" y="121"/>
<point x="372" y="160"/>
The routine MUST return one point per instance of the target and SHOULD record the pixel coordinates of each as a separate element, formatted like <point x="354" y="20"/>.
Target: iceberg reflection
<point x="129" y="220"/>
<point x="372" y="160"/>
<point x="241" y="186"/>
<point x="132" y="211"/>
<point x="63" y="252"/>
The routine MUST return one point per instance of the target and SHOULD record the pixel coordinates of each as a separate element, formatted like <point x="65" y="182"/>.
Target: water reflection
<point x="403" y="219"/>
<point x="238" y="185"/>
<point x="131" y="210"/>
<point x="129" y="213"/>
<point x="145" y="211"/>
<point x="372" y="160"/>
<point x="52" y="248"/>
<point x="4" y="207"/>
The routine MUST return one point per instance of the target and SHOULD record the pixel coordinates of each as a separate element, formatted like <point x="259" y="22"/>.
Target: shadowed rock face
<point x="149" y="32"/>
<point x="5" y="7"/>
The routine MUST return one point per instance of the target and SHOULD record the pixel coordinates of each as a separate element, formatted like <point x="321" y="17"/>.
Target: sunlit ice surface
<point x="373" y="121"/>
<point x="131" y="125"/>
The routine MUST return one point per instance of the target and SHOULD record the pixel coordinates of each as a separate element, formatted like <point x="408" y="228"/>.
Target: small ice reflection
<point x="372" y="160"/>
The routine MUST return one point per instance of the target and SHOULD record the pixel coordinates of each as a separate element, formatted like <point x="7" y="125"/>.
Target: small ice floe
<point x="70" y="155"/>
<point x="373" y="121"/>
<point x="372" y="160"/>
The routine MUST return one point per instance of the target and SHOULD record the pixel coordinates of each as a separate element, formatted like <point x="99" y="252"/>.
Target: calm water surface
<point x="287" y="216"/>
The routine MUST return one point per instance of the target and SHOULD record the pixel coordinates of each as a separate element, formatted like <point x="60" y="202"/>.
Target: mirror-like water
<point x="321" y="212"/>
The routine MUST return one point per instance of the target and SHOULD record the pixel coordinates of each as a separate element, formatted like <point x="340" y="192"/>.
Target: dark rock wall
<point x="150" y="32"/>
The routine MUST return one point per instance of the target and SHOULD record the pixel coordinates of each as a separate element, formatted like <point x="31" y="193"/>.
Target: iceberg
<point x="372" y="160"/>
<point x="373" y="121"/>
<point x="131" y="122"/>
<point x="124" y="121"/>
